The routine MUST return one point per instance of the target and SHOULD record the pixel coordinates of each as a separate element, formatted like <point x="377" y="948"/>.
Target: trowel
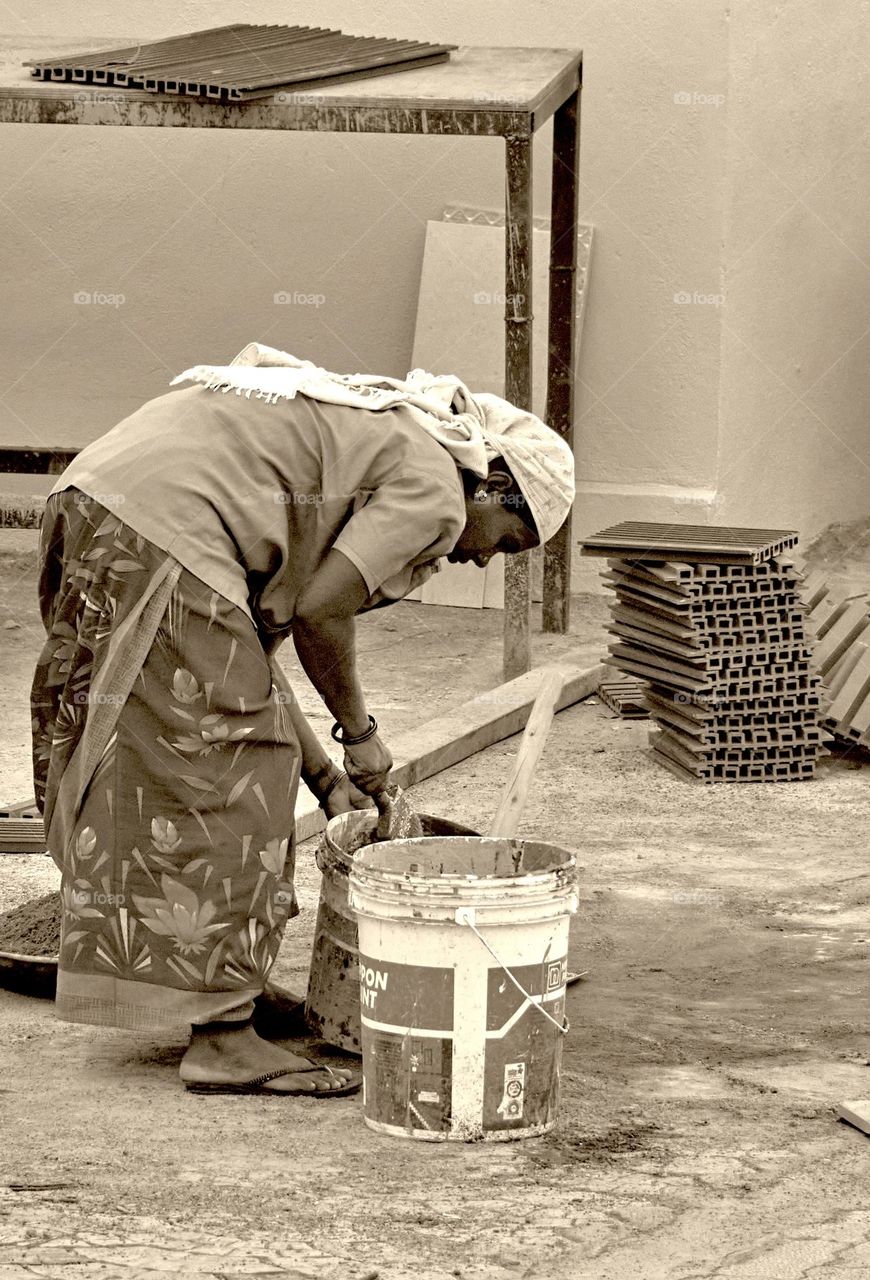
<point x="397" y="820"/>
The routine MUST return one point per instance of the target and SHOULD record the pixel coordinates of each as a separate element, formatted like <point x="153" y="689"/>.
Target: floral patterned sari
<point x="166" y="767"/>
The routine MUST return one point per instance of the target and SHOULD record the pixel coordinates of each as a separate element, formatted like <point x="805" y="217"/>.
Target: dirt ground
<point x="725" y="931"/>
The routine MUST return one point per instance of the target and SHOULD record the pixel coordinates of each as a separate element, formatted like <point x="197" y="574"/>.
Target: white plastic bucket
<point x="463" y="947"/>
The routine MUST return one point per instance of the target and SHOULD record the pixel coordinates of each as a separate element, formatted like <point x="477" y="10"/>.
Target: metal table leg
<point x="561" y="347"/>
<point x="518" y="378"/>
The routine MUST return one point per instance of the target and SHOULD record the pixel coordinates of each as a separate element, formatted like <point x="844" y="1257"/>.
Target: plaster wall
<point x="794" y="446"/>
<point x="198" y="230"/>
<point x="722" y="371"/>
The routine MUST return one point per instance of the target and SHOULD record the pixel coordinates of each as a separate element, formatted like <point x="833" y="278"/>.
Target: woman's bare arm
<point x="324" y="634"/>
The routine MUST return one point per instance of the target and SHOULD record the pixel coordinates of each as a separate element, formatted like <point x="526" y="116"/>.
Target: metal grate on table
<point x="689" y="543"/>
<point x="242" y="61"/>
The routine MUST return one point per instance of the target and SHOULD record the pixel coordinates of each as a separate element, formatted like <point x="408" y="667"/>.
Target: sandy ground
<point x="726" y="933"/>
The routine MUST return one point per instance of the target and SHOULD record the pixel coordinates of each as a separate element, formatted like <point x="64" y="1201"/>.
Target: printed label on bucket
<point x="406" y="996"/>
<point x="407" y="1012"/>
<point x="408" y="1081"/>
<point x="523" y="1048"/>
<point x="511" y="1105"/>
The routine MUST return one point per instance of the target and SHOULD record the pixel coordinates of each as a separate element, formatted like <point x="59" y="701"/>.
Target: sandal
<point x="255" y="1086"/>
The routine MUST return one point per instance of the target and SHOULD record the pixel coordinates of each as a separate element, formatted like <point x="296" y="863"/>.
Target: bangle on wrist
<point x="318" y="780"/>
<point x="328" y="790"/>
<point x="340" y="736"/>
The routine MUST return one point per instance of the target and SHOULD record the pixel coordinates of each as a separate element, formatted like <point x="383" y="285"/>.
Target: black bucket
<point x="332" y="1004"/>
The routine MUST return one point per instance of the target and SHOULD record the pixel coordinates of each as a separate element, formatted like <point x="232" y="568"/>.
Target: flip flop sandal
<point x="255" y="1086"/>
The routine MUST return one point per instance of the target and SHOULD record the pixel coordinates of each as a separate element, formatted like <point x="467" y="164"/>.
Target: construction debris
<point x="722" y="646"/>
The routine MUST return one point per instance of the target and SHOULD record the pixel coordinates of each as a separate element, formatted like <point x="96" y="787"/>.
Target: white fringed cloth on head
<point x="474" y="429"/>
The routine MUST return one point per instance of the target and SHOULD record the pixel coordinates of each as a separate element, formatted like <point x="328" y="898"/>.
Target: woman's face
<point x="492" y="524"/>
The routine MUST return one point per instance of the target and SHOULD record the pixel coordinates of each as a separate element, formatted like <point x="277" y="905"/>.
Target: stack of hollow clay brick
<point x="712" y="620"/>
<point x="627" y="697"/>
<point x="840" y="629"/>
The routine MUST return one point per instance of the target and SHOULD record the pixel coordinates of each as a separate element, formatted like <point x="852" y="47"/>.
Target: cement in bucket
<point x="332" y="1004"/>
<point x="463" y="948"/>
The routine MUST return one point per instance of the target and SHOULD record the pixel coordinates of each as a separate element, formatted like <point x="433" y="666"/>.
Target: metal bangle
<point x="339" y="735"/>
<point x="328" y="790"/>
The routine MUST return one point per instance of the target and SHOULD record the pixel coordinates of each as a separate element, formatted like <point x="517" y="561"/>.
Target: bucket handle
<point x="465" y="916"/>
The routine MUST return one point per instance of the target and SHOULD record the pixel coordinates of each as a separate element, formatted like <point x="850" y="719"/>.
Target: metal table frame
<point x="507" y="93"/>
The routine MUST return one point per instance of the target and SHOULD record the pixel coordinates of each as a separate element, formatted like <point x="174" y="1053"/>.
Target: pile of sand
<point x="33" y="929"/>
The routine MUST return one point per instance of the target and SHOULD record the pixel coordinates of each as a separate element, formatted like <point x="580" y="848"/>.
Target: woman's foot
<point x="225" y="1055"/>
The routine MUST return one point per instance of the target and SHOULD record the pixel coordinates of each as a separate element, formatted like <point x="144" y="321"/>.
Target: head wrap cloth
<point x="474" y="429"/>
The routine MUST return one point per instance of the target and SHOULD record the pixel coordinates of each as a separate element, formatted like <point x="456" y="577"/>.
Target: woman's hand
<point x="344" y="797"/>
<point x="334" y="791"/>
<point x="368" y="765"/>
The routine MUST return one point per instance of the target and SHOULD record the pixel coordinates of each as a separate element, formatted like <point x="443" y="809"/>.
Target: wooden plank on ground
<point x="856" y="1113"/>
<point x="439" y="744"/>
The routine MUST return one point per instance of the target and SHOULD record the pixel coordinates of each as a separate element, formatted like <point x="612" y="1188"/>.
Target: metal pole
<point x="561" y="355"/>
<point x="518" y="378"/>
